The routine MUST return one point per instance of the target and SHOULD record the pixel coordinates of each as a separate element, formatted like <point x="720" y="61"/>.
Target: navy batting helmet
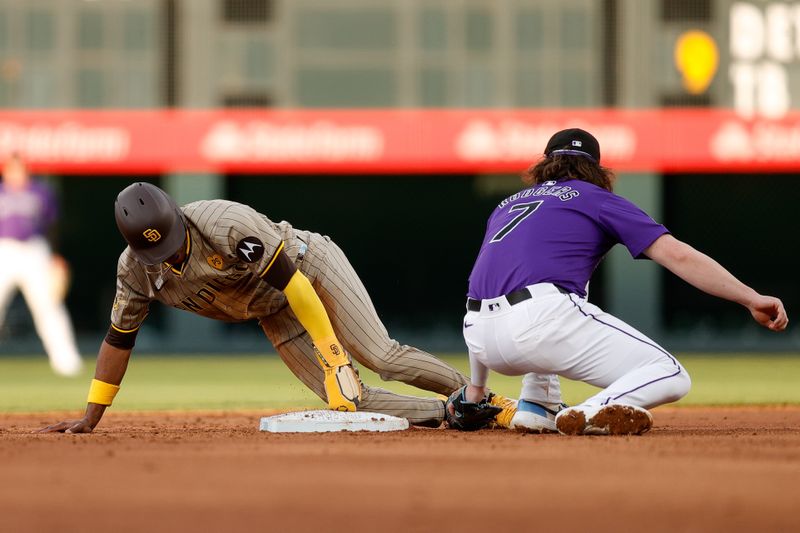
<point x="150" y="221"/>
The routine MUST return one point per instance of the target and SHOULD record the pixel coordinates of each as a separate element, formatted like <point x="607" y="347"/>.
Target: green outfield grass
<point x="252" y="382"/>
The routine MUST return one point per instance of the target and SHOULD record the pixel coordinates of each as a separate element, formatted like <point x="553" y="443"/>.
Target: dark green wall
<point x="746" y="222"/>
<point x="412" y="239"/>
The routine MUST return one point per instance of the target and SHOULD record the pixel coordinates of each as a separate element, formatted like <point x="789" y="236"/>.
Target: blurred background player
<point x="528" y="314"/>
<point x="27" y="211"/>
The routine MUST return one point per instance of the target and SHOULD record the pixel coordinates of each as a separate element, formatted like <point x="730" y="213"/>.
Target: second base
<point x="324" y="421"/>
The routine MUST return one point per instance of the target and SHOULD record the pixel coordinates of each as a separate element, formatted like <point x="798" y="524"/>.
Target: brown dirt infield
<point x="699" y="469"/>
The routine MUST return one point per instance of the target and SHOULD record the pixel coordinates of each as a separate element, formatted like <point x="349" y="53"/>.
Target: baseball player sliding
<point x="527" y="312"/>
<point x="224" y="260"/>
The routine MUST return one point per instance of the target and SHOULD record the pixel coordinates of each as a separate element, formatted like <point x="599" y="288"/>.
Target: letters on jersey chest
<point x="207" y="284"/>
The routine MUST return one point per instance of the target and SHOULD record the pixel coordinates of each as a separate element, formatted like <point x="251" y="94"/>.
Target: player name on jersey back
<point x="548" y="188"/>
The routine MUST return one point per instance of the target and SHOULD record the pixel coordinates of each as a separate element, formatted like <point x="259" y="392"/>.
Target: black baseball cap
<point x="574" y="141"/>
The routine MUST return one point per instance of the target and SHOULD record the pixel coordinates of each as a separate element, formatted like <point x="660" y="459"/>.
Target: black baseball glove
<point x="468" y="416"/>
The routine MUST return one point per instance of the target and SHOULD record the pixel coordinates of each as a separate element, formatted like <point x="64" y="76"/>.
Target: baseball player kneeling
<point x="527" y="312"/>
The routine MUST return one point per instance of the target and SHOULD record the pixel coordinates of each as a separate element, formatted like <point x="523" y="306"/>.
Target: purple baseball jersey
<point x="27" y="212"/>
<point x="556" y="232"/>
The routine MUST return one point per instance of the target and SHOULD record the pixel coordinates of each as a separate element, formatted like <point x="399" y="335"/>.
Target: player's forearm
<point x="112" y="363"/>
<point x="479" y="373"/>
<point x="342" y="386"/>
<point x="699" y="270"/>
<point x="308" y="308"/>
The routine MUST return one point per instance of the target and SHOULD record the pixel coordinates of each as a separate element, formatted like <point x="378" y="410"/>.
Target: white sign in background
<point x="764" y="40"/>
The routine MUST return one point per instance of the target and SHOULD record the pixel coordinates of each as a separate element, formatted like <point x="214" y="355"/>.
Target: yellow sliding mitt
<point x="342" y="385"/>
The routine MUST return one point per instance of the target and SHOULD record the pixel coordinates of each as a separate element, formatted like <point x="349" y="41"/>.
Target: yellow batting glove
<point x="342" y="385"/>
<point x="343" y="388"/>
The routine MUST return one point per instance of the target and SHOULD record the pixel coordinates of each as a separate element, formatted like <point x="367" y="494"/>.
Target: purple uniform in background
<point x="556" y="232"/>
<point x="26" y="213"/>
<point x="27" y="209"/>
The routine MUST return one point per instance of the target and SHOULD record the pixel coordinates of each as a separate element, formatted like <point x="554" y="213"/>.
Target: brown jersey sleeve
<point x="247" y="237"/>
<point x="279" y="271"/>
<point x="131" y="302"/>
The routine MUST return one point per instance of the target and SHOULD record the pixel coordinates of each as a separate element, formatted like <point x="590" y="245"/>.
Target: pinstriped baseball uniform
<point x="217" y="283"/>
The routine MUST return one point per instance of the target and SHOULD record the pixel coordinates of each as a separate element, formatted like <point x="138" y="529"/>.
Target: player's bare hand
<point x="475" y="394"/>
<point x="69" y="426"/>
<point x="472" y="394"/>
<point x="769" y="312"/>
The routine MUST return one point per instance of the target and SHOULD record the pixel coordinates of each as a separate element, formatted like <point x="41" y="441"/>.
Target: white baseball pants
<point x="554" y="333"/>
<point x="26" y="265"/>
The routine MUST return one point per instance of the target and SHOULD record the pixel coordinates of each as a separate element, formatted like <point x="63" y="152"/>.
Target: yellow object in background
<point x="697" y="58"/>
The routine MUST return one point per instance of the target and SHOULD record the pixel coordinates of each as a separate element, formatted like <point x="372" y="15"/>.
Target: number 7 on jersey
<point x="525" y="209"/>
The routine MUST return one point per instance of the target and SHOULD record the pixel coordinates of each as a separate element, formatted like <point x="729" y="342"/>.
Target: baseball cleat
<point x="509" y="409"/>
<point x="615" y="419"/>
<point x="618" y="419"/>
<point x="532" y="417"/>
<point x="571" y="421"/>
